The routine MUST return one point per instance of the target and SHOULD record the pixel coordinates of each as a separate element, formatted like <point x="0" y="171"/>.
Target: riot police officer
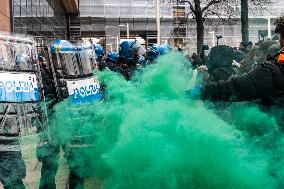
<point x="48" y="153"/>
<point x="155" y="51"/>
<point x="99" y="50"/>
<point x="129" y="54"/>
<point x="75" y="86"/>
<point x="110" y="62"/>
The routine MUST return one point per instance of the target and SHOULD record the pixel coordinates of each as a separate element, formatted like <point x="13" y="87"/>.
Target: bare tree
<point x="245" y="20"/>
<point x="202" y="9"/>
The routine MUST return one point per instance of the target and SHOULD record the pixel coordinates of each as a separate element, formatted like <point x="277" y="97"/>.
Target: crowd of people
<point x="249" y="73"/>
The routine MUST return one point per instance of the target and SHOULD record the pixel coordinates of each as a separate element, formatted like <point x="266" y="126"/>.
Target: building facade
<point x="98" y="17"/>
<point x="105" y="16"/>
<point x="46" y="20"/>
<point x="5" y="20"/>
<point x="74" y="19"/>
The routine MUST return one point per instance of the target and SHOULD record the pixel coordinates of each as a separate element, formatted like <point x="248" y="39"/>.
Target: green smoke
<point x="147" y="134"/>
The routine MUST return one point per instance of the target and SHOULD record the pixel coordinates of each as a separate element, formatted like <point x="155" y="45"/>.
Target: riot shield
<point x="72" y="68"/>
<point x="22" y="108"/>
<point x="77" y="86"/>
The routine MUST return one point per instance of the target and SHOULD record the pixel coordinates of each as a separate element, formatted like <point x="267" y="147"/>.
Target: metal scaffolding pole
<point x="127" y="30"/>
<point x="158" y="21"/>
<point x="269" y="27"/>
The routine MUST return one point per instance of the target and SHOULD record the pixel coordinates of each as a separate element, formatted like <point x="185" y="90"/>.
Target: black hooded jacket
<point x="220" y="64"/>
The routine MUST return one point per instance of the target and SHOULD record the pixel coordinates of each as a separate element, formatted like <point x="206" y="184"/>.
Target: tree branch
<point x="190" y="4"/>
<point x="212" y="2"/>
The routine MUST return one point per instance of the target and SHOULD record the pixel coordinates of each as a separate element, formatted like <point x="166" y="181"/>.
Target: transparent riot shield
<point x="73" y="72"/>
<point x="77" y="89"/>
<point x="22" y="108"/>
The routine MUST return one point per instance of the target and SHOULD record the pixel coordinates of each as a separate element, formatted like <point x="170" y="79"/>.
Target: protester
<point x="220" y="65"/>
<point x="265" y="81"/>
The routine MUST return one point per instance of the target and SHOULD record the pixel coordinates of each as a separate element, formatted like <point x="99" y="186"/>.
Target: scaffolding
<point x="43" y="19"/>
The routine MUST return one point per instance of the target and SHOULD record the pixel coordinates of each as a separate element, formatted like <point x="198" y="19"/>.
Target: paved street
<point x="34" y="167"/>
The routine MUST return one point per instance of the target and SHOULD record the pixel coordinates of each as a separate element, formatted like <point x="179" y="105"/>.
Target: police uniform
<point x="73" y="74"/>
<point x="12" y="166"/>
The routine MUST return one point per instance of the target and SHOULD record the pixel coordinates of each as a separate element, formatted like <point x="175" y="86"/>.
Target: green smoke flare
<point x="147" y="134"/>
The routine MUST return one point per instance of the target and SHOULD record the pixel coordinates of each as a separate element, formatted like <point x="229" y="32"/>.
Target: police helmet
<point x="99" y="50"/>
<point x="130" y="48"/>
<point x="112" y="57"/>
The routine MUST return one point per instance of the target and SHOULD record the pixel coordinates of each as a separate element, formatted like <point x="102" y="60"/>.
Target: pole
<point x="158" y="21"/>
<point x="213" y="38"/>
<point x="118" y="37"/>
<point x="117" y="44"/>
<point x="269" y="27"/>
<point x="127" y="30"/>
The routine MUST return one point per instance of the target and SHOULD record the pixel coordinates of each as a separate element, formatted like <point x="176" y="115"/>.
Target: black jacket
<point x="265" y="80"/>
<point x="223" y="73"/>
